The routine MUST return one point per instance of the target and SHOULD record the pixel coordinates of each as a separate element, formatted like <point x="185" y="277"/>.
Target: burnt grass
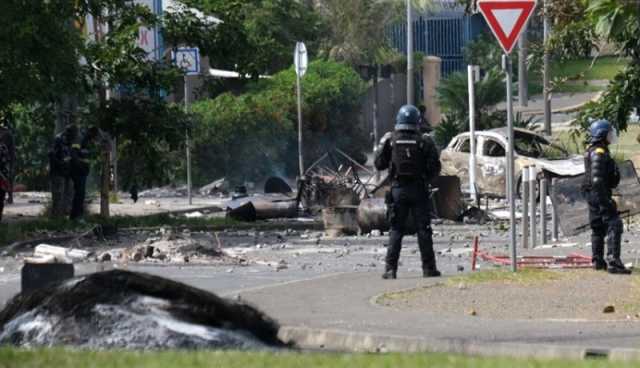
<point x="76" y="299"/>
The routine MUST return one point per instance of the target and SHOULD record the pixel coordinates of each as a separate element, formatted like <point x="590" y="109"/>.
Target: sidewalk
<point x="338" y="312"/>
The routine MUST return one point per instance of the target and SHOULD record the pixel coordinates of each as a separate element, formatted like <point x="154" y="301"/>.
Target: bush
<point x="253" y="135"/>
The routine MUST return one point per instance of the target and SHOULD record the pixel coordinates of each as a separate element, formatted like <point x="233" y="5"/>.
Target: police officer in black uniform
<point x="601" y="176"/>
<point x="60" y="170"/>
<point x="413" y="161"/>
<point x="79" y="170"/>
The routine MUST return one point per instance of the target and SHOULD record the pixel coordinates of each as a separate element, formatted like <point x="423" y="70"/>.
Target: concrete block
<point x="38" y="275"/>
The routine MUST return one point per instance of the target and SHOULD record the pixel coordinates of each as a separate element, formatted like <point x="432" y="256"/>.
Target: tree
<point x="617" y="21"/>
<point x="255" y="37"/>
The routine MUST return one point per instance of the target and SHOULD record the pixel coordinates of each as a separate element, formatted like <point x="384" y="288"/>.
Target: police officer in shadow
<point x="601" y="177"/>
<point x="413" y="161"/>
<point x="79" y="170"/>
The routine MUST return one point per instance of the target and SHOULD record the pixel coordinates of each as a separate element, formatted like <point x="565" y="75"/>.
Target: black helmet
<point x="408" y="118"/>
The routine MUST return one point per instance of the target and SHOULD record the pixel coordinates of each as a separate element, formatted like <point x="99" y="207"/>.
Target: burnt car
<point x="491" y="161"/>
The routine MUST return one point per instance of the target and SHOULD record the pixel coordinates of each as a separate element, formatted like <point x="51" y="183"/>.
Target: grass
<point x="627" y="144"/>
<point x="605" y="68"/>
<point x="524" y="276"/>
<point x="68" y="358"/>
<point x="580" y="71"/>
<point x="22" y="230"/>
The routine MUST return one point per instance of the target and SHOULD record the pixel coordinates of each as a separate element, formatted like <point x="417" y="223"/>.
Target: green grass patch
<point x="193" y="359"/>
<point x="605" y="68"/>
<point x="578" y="88"/>
<point x="22" y="230"/>
<point x="627" y="143"/>
<point x="523" y="276"/>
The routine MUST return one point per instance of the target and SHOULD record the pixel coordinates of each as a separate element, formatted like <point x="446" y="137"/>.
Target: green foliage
<point x="573" y="36"/>
<point x="39" y="53"/>
<point x="453" y="93"/>
<point x="356" y="28"/>
<point x="444" y="132"/>
<point x="618" y="22"/>
<point x="33" y="127"/>
<point x="252" y="135"/>
<point x="256" y="37"/>
<point x="617" y="102"/>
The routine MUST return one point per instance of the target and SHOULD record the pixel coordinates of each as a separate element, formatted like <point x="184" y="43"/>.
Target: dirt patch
<point x="567" y="295"/>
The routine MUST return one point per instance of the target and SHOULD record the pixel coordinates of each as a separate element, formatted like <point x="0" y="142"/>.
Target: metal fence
<point x="443" y="36"/>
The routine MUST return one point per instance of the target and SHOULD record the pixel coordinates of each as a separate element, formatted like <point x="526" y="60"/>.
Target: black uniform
<point x="601" y="176"/>
<point x="60" y="174"/>
<point x="79" y="171"/>
<point x="413" y="161"/>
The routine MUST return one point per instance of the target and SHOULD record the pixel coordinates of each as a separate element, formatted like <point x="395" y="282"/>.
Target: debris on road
<point x="59" y="254"/>
<point x="127" y="310"/>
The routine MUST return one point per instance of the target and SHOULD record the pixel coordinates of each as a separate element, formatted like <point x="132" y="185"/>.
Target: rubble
<point x="126" y="310"/>
<point x="262" y="207"/>
<point x="46" y="253"/>
<point x="219" y="186"/>
<point x="164" y="192"/>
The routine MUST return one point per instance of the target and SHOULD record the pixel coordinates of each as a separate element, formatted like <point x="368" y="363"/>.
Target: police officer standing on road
<point x="413" y="161"/>
<point x="601" y="176"/>
<point x="60" y="170"/>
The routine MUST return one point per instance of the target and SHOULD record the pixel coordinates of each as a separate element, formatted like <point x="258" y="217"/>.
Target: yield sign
<point x="507" y="19"/>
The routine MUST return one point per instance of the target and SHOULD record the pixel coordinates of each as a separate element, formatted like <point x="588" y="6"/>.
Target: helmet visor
<point x="612" y="136"/>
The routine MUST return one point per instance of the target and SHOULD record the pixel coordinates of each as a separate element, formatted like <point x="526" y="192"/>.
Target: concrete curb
<point x="362" y="342"/>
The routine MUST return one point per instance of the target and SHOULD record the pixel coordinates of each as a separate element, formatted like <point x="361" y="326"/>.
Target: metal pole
<point x="532" y="197"/>
<point x="299" y="91"/>
<point x="188" y="140"/>
<point x="525" y="207"/>
<point x="523" y="77"/>
<point x="375" y="115"/>
<point x="410" y="68"/>
<point x="546" y="74"/>
<point x="554" y="214"/>
<point x="510" y="167"/>
<point x="543" y="211"/>
<point x="472" y="131"/>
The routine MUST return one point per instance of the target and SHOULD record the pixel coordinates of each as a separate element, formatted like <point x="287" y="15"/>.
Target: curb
<point x="362" y="342"/>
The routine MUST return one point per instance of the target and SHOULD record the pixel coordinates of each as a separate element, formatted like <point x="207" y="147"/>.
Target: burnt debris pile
<point x="127" y="310"/>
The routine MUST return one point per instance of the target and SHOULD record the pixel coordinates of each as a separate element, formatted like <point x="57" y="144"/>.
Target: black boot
<point x="616" y="267"/>
<point x="389" y="274"/>
<point x="431" y="272"/>
<point x="599" y="265"/>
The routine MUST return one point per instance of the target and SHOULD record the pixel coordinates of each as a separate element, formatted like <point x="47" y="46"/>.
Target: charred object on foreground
<point x="121" y="309"/>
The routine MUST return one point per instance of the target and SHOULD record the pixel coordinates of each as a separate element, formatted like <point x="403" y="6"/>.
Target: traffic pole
<point x="524" y="186"/>
<point x="299" y="92"/>
<point x="471" y="69"/>
<point x="188" y="140"/>
<point x="410" y="67"/>
<point x="506" y="63"/>
<point x="546" y="72"/>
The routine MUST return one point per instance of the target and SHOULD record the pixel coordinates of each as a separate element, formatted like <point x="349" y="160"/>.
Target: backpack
<point x="407" y="154"/>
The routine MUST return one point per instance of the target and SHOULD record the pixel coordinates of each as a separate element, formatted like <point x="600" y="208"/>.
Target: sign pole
<point x="507" y="20"/>
<point x="188" y="140"/>
<point x="299" y="90"/>
<point x="506" y="61"/>
<point x="301" y="62"/>
<point x="471" y="71"/>
<point x="410" y="67"/>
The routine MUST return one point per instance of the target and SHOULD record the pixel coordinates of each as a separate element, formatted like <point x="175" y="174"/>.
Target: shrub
<point x="246" y="137"/>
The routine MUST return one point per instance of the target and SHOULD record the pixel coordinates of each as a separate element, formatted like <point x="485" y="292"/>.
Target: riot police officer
<point x="60" y="171"/>
<point x="413" y="161"/>
<point x="601" y="176"/>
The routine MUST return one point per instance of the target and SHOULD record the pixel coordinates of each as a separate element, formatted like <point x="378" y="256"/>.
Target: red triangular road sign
<point x="507" y="19"/>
